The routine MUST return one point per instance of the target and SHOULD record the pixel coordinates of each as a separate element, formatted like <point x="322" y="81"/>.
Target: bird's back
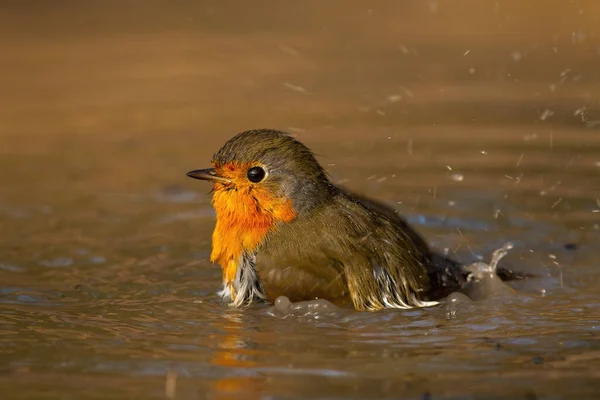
<point x="344" y="249"/>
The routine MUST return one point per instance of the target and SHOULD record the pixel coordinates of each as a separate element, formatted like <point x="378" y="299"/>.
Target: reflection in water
<point x="235" y="352"/>
<point x="234" y="344"/>
<point x="477" y="120"/>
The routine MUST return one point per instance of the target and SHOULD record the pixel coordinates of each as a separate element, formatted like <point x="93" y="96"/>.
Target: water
<point x="477" y="121"/>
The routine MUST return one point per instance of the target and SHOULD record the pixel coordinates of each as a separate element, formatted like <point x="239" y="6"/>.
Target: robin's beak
<point x="208" y="174"/>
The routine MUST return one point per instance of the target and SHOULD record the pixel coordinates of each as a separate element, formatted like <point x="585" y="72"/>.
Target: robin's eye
<point x="256" y="174"/>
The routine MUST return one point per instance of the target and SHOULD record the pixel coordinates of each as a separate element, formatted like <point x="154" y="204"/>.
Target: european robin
<point x="283" y="229"/>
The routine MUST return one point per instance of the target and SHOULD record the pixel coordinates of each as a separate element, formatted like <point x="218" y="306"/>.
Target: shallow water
<point x="479" y="123"/>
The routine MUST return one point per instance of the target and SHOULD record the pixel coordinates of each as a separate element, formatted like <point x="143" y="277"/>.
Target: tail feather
<point x="446" y="275"/>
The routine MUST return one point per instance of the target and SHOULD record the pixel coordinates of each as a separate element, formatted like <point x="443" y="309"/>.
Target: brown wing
<point x="343" y="252"/>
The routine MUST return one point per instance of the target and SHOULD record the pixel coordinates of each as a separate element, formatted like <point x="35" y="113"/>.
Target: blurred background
<point x="479" y="120"/>
<point x="140" y="67"/>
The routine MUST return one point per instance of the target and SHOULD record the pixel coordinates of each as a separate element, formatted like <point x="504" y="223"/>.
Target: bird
<point x="284" y="229"/>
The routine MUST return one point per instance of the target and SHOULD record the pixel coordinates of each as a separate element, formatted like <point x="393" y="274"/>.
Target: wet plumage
<point x="284" y="229"/>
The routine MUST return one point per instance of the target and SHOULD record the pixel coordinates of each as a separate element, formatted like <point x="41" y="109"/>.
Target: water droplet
<point x="578" y="37"/>
<point x="295" y="88"/>
<point x="457" y="177"/>
<point x="529" y="137"/>
<point x="546" y="114"/>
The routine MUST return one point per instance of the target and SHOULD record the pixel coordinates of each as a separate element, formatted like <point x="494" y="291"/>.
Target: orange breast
<point x="245" y="214"/>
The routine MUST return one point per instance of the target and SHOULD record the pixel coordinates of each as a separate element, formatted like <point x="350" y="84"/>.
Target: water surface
<point x="477" y="120"/>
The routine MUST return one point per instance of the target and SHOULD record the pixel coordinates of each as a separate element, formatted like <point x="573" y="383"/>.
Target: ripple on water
<point x="97" y="259"/>
<point x="20" y="295"/>
<point x="11" y="268"/>
<point x="58" y="262"/>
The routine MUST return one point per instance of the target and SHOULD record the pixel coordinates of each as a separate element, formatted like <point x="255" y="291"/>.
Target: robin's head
<point x="261" y="178"/>
<point x="269" y="167"/>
